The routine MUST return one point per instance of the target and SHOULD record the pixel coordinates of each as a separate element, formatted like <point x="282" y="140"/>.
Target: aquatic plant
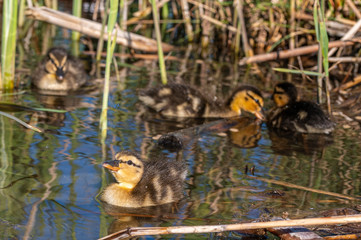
<point x="8" y="43"/>
<point x="110" y="50"/>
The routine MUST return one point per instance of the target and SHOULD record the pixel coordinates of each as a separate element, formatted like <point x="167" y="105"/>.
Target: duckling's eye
<point x="246" y="98"/>
<point x="129" y="162"/>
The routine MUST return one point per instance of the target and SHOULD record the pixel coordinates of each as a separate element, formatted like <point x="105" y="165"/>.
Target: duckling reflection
<point x="137" y="217"/>
<point x="58" y="73"/>
<point x="286" y="143"/>
<point x="246" y="133"/>
<point x="67" y="103"/>
<point x="141" y="183"/>
<point x="179" y="100"/>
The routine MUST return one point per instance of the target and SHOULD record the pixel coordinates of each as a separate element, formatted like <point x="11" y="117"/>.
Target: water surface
<point x="50" y="181"/>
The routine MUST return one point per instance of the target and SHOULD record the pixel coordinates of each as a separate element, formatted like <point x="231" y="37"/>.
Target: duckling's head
<point x="127" y="168"/>
<point x="57" y="63"/>
<point x="249" y="99"/>
<point x="284" y="93"/>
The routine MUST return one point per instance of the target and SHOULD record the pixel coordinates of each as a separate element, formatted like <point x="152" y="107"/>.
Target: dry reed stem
<point x="246" y="48"/>
<point x="343" y="237"/>
<point x="93" y="29"/>
<point x="350" y="34"/>
<point x="143" y="231"/>
<point x="296" y="52"/>
<point x="290" y="185"/>
<point x="351" y="4"/>
<point x="142" y="14"/>
<point x="344" y="59"/>
<point x="148" y="10"/>
<point x="356" y="80"/>
<point x="218" y="23"/>
<point x="205" y="7"/>
<point x="292" y="42"/>
<point x="135" y="55"/>
<point x="187" y="20"/>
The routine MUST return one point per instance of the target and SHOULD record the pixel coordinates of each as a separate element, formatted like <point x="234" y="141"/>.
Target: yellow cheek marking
<point x="237" y="102"/>
<point x="50" y="68"/>
<point x="281" y="100"/>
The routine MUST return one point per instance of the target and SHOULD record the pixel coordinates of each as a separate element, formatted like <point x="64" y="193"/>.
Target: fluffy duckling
<point x="178" y="100"/>
<point x="290" y="114"/>
<point x="59" y="71"/>
<point x="143" y="183"/>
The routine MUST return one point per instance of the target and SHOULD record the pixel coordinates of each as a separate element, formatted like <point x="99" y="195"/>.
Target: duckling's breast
<point x="302" y="116"/>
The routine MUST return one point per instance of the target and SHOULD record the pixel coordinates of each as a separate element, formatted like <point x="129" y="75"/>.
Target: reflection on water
<point x="285" y="143"/>
<point x="49" y="182"/>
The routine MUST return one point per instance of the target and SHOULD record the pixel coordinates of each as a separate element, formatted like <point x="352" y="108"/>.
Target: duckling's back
<point x="162" y="182"/>
<point x="174" y="100"/>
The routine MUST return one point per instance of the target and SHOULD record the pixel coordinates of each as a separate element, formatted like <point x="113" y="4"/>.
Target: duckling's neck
<point x="226" y="112"/>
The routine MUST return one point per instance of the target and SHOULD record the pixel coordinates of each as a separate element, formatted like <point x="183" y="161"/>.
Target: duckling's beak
<point x="59" y="74"/>
<point x="112" y="165"/>
<point x="261" y="115"/>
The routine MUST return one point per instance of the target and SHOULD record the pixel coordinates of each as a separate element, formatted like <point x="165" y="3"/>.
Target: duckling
<point x="178" y="100"/>
<point x="59" y="71"/>
<point x="143" y="183"/>
<point x="293" y="115"/>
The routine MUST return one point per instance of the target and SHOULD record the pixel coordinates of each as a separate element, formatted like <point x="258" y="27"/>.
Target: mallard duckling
<point x="143" y="183"/>
<point x="59" y="71"/>
<point x="178" y="100"/>
<point x="290" y="114"/>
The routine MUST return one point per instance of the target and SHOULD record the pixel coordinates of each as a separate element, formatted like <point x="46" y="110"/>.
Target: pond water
<point x="49" y="181"/>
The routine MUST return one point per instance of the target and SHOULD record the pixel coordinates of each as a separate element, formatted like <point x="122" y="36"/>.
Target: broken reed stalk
<point x="94" y="29"/>
<point x="21" y="122"/>
<point x="163" y="72"/>
<point x="110" y="50"/>
<point x="143" y="231"/>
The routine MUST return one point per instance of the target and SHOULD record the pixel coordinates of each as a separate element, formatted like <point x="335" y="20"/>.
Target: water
<point x="50" y="181"/>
